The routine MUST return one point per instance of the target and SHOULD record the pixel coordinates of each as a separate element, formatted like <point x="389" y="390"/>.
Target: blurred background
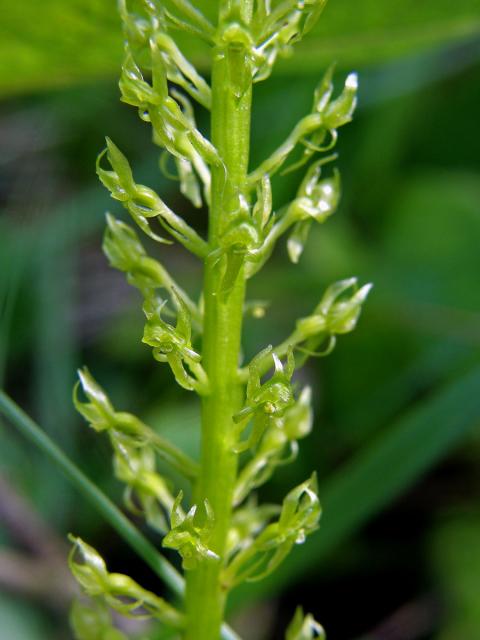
<point x="396" y="442"/>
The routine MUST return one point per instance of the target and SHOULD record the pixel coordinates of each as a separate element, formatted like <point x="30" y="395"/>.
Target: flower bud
<point x="98" y="411"/>
<point x="340" y="111"/>
<point x="304" y="627"/>
<point x="342" y="313"/>
<point x="134" y="89"/>
<point x="335" y="313"/>
<point x="122" y="246"/>
<point x="316" y="199"/>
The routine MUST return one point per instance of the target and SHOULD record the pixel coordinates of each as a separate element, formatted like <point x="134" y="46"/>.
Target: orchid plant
<point x="224" y="536"/>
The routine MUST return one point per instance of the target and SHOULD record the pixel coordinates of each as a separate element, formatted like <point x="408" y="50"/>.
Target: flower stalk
<point x="224" y="537"/>
<point x="223" y="315"/>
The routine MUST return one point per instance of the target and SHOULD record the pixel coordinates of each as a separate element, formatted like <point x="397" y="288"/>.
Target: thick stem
<point x="205" y="602"/>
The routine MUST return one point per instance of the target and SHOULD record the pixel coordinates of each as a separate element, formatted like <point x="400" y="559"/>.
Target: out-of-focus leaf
<point x="429" y="244"/>
<point x="382" y="471"/>
<point x="379" y="29"/>
<point x="456" y="557"/>
<point x="54" y="362"/>
<point x="53" y="42"/>
<point x="13" y="256"/>
<point x="435" y="365"/>
<point x="178" y="424"/>
<point x="20" y="621"/>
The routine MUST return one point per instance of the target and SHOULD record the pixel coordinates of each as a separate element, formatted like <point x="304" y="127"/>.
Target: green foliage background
<point x="396" y="441"/>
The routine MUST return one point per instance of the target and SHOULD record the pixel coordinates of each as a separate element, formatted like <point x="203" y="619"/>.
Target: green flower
<point x="337" y="313"/>
<point x="190" y="533"/>
<point x="265" y="403"/>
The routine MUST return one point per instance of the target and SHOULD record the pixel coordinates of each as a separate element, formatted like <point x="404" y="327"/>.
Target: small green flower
<point x="125" y="252"/>
<point x="317" y="131"/>
<point x="337" y="313"/>
<point x="190" y="533"/>
<point x="316" y="201"/>
<point x="265" y="403"/>
<point x="135" y="447"/>
<point x="304" y="627"/>
<point x="173" y="344"/>
<point x="172" y="128"/>
<point x="279" y="28"/>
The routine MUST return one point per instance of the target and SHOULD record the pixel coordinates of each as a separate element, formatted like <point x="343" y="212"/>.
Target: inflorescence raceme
<point x="161" y="83"/>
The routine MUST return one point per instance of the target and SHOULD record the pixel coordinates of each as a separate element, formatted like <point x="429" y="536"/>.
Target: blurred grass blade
<point x="13" y="256"/>
<point x="381" y="472"/>
<point x="160" y="565"/>
<point x="97" y="499"/>
<point x="54" y="361"/>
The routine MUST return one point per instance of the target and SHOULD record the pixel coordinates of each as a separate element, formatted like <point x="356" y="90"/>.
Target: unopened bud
<point x="336" y="314"/>
<point x="340" y="111"/>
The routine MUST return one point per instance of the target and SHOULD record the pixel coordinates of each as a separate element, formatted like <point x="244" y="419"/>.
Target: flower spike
<point x="224" y="538"/>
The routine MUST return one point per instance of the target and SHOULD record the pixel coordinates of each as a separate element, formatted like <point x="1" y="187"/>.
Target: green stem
<point x="205" y="599"/>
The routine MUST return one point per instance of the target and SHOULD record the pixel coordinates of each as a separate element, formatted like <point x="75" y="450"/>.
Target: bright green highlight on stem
<point x="224" y="537"/>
